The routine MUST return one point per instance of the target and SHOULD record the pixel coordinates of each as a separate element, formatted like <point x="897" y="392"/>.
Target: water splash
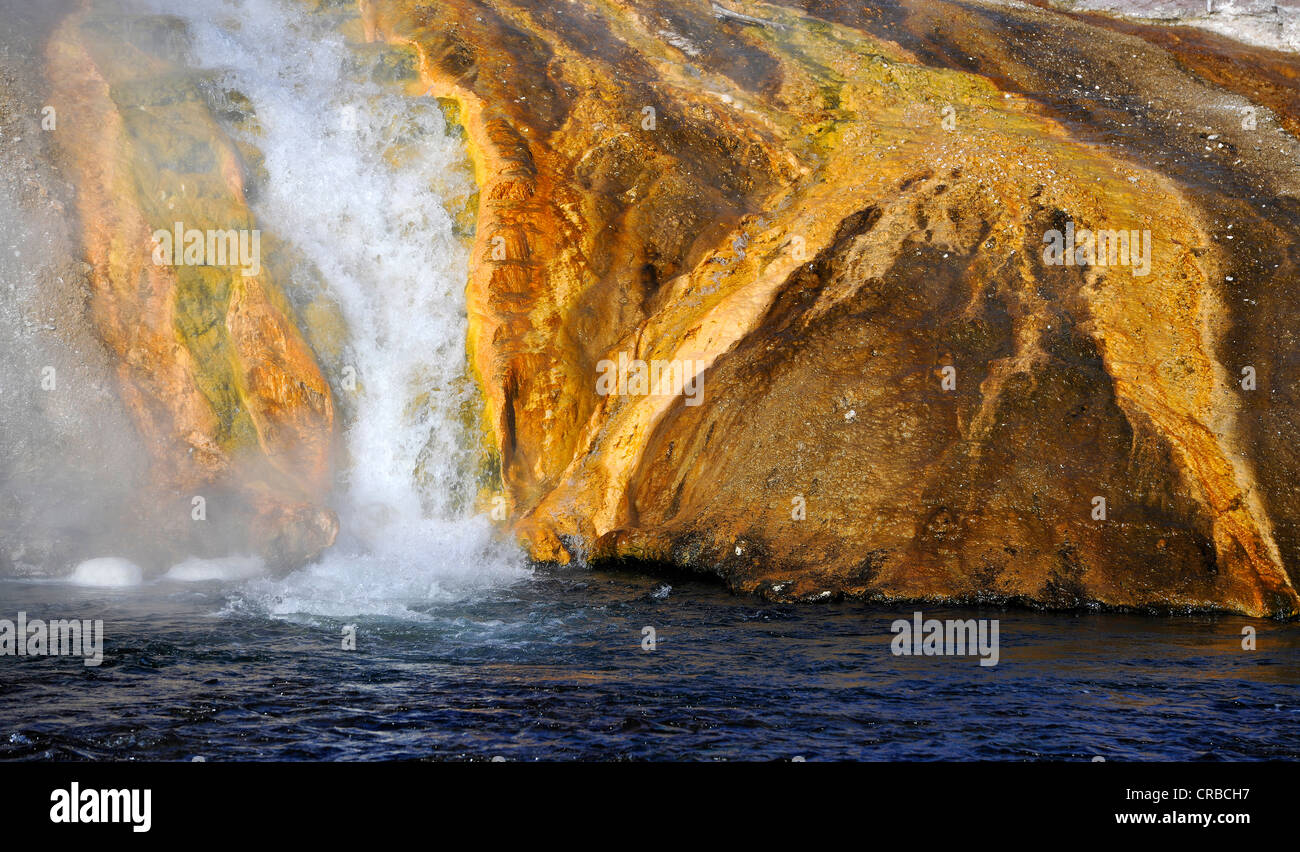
<point x="107" y="572"/>
<point x="196" y="570"/>
<point x="355" y="173"/>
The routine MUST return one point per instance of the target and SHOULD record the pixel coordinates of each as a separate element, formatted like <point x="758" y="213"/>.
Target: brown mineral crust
<point x="823" y="208"/>
<point x="131" y="300"/>
<point x="1270" y="78"/>
<point x="222" y="386"/>
<point x="574" y="191"/>
<point x="824" y="122"/>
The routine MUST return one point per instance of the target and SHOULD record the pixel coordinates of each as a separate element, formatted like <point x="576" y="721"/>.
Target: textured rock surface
<point x="801" y="220"/>
<point x="834" y="213"/>
<point x="211" y="365"/>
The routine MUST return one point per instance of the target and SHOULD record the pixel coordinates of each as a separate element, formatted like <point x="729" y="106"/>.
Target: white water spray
<point x="374" y="227"/>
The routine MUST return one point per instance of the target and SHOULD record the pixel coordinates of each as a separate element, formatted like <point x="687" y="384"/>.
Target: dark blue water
<point x="553" y="668"/>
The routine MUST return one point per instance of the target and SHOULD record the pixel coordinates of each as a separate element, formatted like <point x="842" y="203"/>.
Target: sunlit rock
<point x="211" y="363"/>
<point x="903" y="394"/>
<point x="912" y="299"/>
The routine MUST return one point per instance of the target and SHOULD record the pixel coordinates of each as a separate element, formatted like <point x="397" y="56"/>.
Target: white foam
<point x="195" y="570"/>
<point x="432" y="562"/>
<point x="375" y="228"/>
<point x="107" y="572"/>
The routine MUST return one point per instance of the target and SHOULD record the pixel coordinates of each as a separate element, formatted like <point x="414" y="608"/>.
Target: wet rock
<point x="826" y="201"/>
<point x="222" y="386"/>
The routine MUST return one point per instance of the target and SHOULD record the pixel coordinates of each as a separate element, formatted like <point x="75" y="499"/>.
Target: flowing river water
<point x="553" y="668"/>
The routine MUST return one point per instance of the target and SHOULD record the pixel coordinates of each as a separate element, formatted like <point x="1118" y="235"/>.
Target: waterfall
<point x="371" y="221"/>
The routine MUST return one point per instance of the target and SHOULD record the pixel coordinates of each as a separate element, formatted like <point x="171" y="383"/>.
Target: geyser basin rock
<point x="223" y="387"/>
<point x="829" y="219"/>
<point x="826" y="207"/>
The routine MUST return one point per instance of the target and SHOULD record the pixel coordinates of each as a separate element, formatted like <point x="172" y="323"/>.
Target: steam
<point x="69" y="459"/>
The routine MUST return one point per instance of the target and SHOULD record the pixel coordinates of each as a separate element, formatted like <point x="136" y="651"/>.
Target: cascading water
<point x="372" y="224"/>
